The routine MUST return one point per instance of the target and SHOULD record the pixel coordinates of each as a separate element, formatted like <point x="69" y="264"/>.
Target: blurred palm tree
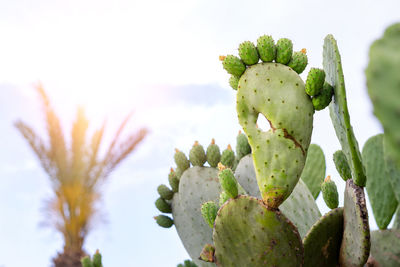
<point x="75" y="172"/>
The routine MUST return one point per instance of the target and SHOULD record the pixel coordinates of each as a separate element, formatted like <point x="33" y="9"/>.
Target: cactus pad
<point x="246" y="233"/>
<point x="314" y="170"/>
<point x="338" y="109"/>
<point x="322" y="242"/>
<point x="385" y="247"/>
<point x="396" y="223"/>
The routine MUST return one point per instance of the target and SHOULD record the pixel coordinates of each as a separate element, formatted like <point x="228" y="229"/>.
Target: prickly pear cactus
<point x="385" y="247"/>
<point x="314" y="169"/>
<point x="95" y="261"/>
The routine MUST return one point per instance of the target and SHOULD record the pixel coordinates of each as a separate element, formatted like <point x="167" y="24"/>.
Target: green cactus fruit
<point x="207" y="253"/>
<point x="284" y="51"/>
<point x="322" y="242"/>
<point x="163" y="205"/>
<point x="233" y="65"/>
<point x="228" y="157"/>
<point x="178" y="173"/>
<point x="314" y="169"/>
<point x="356" y="243"/>
<point x="197" y="155"/>
<point x="315" y="81"/>
<point x="385" y="247"/>
<point x="323" y="100"/>
<point x="247" y="233"/>
<point x="339" y="158"/>
<point x="228" y="181"/>
<point x="379" y="188"/>
<point x="338" y="109"/>
<point x="164" y="221"/>
<point x="173" y="180"/>
<point x="396" y="223"/>
<point x="213" y="154"/>
<point x="165" y="192"/>
<point x="234" y="81"/>
<point x="299" y="61"/>
<point x="242" y="145"/>
<point x="181" y="160"/>
<point x="86" y="262"/>
<point x="248" y="53"/>
<point x="383" y="82"/>
<point x="97" y="262"/>
<point x="278" y="93"/>
<point x="266" y="48"/>
<point x="330" y="193"/>
<point x="209" y="211"/>
<point x="223" y="197"/>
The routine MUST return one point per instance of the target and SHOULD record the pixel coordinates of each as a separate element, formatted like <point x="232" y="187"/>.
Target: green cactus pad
<point x="209" y="211"/>
<point x="338" y="109"/>
<point x="223" y="197"/>
<point x="173" y="181"/>
<point x="379" y="188"/>
<point x="197" y="185"/>
<point x="233" y="65"/>
<point x="355" y="247"/>
<point x="277" y="92"/>
<point x="284" y="51"/>
<point x="213" y="154"/>
<point x="339" y="158"/>
<point x="385" y="247"/>
<point x="315" y="81"/>
<point x="197" y="155"/>
<point x="314" y="170"/>
<point x="246" y="233"/>
<point x="248" y="53"/>
<point x="181" y="160"/>
<point x="242" y="146"/>
<point x="165" y="192"/>
<point x="330" y="193"/>
<point x="228" y="157"/>
<point x="233" y="82"/>
<point x="322" y="242"/>
<point x="164" y="221"/>
<point x="299" y="61"/>
<point x="383" y="82"/>
<point x="396" y="223"/>
<point x="266" y="48"/>
<point x="163" y="206"/>
<point x="322" y="100"/>
<point x="228" y="183"/>
<point x="392" y="169"/>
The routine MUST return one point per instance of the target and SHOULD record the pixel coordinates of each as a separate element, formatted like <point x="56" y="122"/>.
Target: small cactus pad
<point x="233" y="82"/>
<point x="233" y="65"/>
<point x="164" y="221"/>
<point x="299" y="61"/>
<point x="322" y="242"/>
<point x="383" y="82"/>
<point x="339" y="158"/>
<point x="314" y="170"/>
<point x="266" y="48"/>
<point x="197" y="185"/>
<point x="181" y="160"/>
<point x="228" y="182"/>
<point x="246" y="233"/>
<point x="213" y="154"/>
<point x="354" y="250"/>
<point x="330" y="193"/>
<point x="338" y="109"/>
<point x="315" y="81"/>
<point x="248" y="53"/>
<point x="385" y="247"/>
<point x="209" y="211"/>
<point x="379" y="188"/>
<point x="284" y="50"/>
<point x="322" y="100"/>
<point x="277" y="92"/>
<point x="242" y="146"/>
<point x="197" y="155"/>
<point x="165" y="192"/>
<point x="228" y="157"/>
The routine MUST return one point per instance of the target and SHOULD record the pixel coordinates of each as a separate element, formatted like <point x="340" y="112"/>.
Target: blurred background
<point x="159" y="60"/>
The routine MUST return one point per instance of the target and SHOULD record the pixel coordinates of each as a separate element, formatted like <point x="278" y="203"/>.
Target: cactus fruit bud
<point x="86" y="262"/>
<point x="223" y="197"/>
<point x="163" y="205"/>
<point x="173" y="181"/>
<point x="234" y="82"/>
<point x="284" y="50"/>
<point x="233" y="65"/>
<point x="164" y="221"/>
<point x="248" y="53"/>
<point x="181" y="160"/>
<point x="228" y="183"/>
<point x="165" y="192"/>
<point x="315" y="81"/>
<point x="213" y="154"/>
<point x="339" y="158"/>
<point x="197" y="155"/>
<point x="207" y="253"/>
<point x="299" y="61"/>
<point x="228" y="157"/>
<point x="209" y="211"/>
<point x="97" y="259"/>
<point x="330" y="193"/>
<point x="242" y="145"/>
<point x="266" y="48"/>
<point x="322" y="100"/>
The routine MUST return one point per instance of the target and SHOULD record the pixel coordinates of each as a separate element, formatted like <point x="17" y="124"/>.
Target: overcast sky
<point x="160" y="60"/>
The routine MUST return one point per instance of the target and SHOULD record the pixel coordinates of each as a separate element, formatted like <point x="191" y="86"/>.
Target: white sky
<point x="117" y="56"/>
